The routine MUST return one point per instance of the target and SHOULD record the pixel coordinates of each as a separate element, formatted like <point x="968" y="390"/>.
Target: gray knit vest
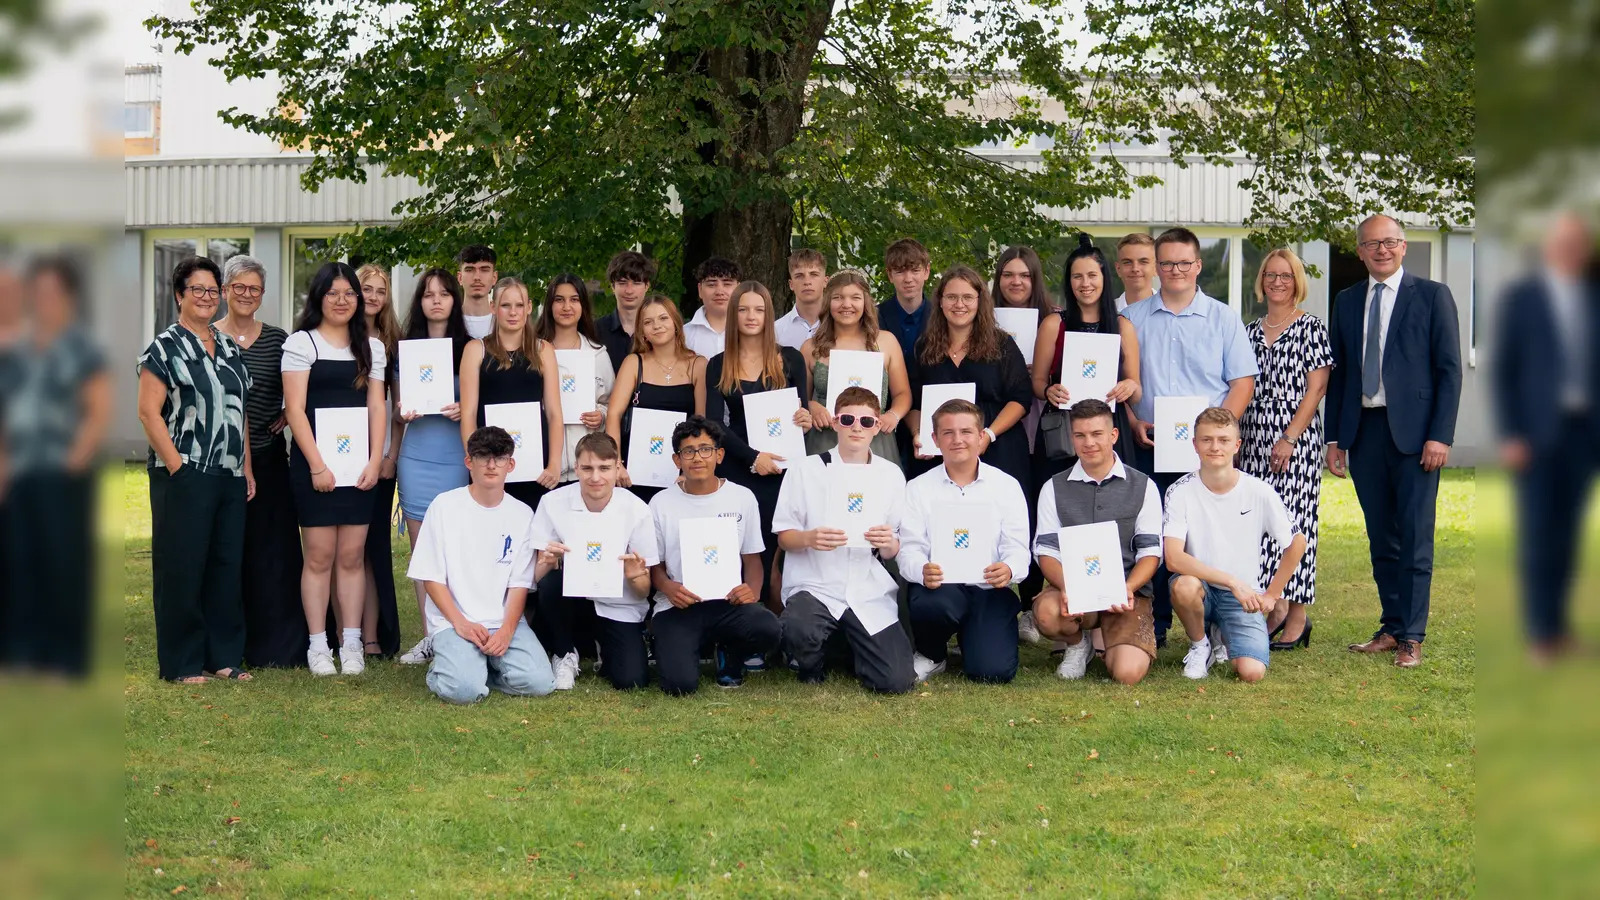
<point x="1115" y="500"/>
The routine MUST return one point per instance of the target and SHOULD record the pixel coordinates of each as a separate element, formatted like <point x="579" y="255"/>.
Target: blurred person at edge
<point x="57" y="412"/>
<point x="12" y="333"/>
<point x="1544" y="389"/>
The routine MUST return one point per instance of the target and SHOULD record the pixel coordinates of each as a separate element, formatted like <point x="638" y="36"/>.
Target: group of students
<point x="804" y="581"/>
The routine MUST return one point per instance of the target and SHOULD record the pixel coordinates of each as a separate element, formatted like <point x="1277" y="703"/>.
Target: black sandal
<point x="234" y="673"/>
<point x="205" y="678"/>
<point x="367" y="645"/>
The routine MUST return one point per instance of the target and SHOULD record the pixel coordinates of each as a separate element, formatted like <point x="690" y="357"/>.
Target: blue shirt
<point x="906" y="327"/>
<point x="1194" y="353"/>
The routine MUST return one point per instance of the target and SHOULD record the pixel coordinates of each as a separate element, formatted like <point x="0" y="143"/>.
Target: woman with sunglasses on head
<point x="849" y="321"/>
<point x="661" y="373"/>
<point x="567" y="323"/>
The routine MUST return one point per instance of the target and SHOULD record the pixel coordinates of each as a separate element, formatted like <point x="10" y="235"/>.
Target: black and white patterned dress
<point x="1301" y="348"/>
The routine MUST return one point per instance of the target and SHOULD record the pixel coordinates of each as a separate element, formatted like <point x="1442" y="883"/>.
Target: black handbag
<point x="1055" y="433"/>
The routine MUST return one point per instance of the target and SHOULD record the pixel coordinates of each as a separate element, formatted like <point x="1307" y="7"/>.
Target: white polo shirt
<point x="933" y="489"/>
<point x="701" y="337"/>
<point x="849" y="577"/>
<point x="478" y="553"/>
<point x="1224" y="530"/>
<point x="791" y="330"/>
<point x="671" y="506"/>
<point x="560" y="517"/>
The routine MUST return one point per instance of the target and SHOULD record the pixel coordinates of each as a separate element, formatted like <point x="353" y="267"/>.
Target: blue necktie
<point x="1372" y="359"/>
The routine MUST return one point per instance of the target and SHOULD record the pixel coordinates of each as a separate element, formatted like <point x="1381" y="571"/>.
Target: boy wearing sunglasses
<point x="680" y="620"/>
<point x="829" y="588"/>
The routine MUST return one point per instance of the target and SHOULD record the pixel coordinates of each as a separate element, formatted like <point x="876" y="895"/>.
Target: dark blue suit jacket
<point x="1529" y="359"/>
<point x="1421" y="365"/>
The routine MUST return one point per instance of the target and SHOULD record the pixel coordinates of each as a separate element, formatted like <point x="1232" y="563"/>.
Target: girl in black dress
<point x="1019" y="284"/>
<point x="661" y="373"/>
<point x="754" y="363"/>
<point x="567" y="323"/>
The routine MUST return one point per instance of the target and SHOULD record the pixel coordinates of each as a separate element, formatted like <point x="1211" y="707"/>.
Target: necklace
<point x="667" y="373"/>
<point x="242" y="336"/>
<point x="1269" y="323"/>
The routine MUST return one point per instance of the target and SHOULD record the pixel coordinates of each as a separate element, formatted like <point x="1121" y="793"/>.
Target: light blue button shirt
<point x="1194" y="353"/>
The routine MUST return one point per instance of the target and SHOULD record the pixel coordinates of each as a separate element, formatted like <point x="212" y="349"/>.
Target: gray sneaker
<point x="420" y="655"/>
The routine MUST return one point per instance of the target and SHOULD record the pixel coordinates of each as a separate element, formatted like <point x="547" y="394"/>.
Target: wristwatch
<point x="989" y="433"/>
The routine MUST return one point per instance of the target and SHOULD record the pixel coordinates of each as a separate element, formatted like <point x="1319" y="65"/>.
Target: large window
<point x="1251" y="255"/>
<point x="1215" y="259"/>
<point x="168" y="252"/>
<point x="306" y="256"/>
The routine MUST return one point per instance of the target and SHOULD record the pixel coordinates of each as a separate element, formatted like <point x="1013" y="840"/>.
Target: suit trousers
<point x="1552" y="496"/>
<point x="986" y="619"/>
<point x="1398" y="501"/>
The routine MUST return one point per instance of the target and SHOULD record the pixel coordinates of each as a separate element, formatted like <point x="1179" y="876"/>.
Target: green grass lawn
<point x="1337" y="775"/>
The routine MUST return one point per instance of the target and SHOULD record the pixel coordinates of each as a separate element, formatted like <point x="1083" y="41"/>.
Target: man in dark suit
<point x="1544" y="386"/>
<point x="1392" y="401"/>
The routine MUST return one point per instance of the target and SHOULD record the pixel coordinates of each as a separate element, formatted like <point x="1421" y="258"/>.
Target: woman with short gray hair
<point x="275" y="625"/>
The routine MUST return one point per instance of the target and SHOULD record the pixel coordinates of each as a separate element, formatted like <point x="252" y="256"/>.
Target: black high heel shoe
<point x="1303" y="640"/>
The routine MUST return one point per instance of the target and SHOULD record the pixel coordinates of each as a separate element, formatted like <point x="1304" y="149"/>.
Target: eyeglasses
<point x="245" y="290"/>
<point x="346" y="295"/>
<point x="1177" y="266"/>
<point x="848" y="420"/>
<point x="1277" y="276"/>
<point x="1385" y="243"/>
<point x="493" y="460"/>
<point x="200" y="292"/>
<point x="961" y="298"/>
<point x="702" y="452"/>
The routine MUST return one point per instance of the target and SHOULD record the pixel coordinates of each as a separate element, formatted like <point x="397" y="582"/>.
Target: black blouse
<point x="728" y="410"/>
<point x="998" y="382"/>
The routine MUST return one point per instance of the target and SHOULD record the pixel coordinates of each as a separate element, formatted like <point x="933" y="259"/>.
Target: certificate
<point x="1174" y="431"/>
<point x="342" y="441"/>
<point x="856" y="501"/>
<point x="1091" y="566"/>
<point x="1022" y="325"/>
<point x="525" y="423"/>
<point x="592" y="567"/>
<point x="965" y="541"/>
<point x="576" y="377"/>
<point x="855" y="368"/>
<point x="650" y="447"/>
<point x="1089" y="364"/>
<point x="427" y="376"/>
<point x="934" y="396"/>
<point x="710" y="565"/>
<point x="769" y="419"/>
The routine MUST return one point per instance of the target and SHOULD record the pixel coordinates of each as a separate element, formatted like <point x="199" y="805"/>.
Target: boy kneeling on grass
<point x="1214" y="521"/>
<point x="475" y="559"/>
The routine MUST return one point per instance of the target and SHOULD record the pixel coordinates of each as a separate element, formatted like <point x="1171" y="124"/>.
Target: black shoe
<point x="730" y="671"/>
<point x="1279" y="630"/>
<point x="1161" y="640"/>
<point x="815" y="676"/>
<point x="1303" y="640"/>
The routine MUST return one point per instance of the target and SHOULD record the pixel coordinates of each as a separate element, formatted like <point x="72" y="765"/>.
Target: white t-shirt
<point x="558" y="517"/>
<point x="701" y="337"/>
<point x="479" y="326"/>
<point x="302" y="348"/>
<point x="476" y="552"/>
<point x="672" y="506"/>
<point x="1224" y="530"/>
<point x="849" y="577"/>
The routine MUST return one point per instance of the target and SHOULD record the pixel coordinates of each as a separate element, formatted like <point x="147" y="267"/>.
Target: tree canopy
<point x="561" y="131"/>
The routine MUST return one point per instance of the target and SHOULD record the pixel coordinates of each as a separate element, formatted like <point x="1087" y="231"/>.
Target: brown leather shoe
<point x="1408" y="655"/>
<point x="1381" y="642"/>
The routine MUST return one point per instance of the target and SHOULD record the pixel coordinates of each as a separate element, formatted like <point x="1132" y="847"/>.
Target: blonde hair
<point x="1220" y="416"/>
<point x="388" y="325"/>
<point x="641" y="344"/>
<point x="530" y="340"/>
<point x="825" y="338"/>
<point x="1301" y="285"/>
<point x="771" y="358"/>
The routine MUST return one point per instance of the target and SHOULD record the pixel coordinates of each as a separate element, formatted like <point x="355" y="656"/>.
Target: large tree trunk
<point x="754" y="228"/>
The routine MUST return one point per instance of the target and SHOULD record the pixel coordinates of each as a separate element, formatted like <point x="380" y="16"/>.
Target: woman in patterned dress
<point x="1282" y="429"/>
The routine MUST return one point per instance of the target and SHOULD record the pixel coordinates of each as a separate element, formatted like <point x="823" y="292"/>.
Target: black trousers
<point x="52" y="554"/>
<point x="882" y="660"/>
<point x="570" y="624"/>
<point x="985" y="617"/>
<point x="275" y="620"/>
<point x="1398" y="502"/>
<point x="196" y="557"/>
<point x="743" y="630"/>
<point x="1161" y="603"/>
<point x="1552" y="496"/>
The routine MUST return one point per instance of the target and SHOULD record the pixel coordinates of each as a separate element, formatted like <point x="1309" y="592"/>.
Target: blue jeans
<point x="461" y="673"/>
<point x="1245" y="633"/>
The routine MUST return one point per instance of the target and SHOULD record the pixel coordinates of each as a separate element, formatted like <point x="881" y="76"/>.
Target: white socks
<point x="319" y="642"/>
<point x="351" y="639"/>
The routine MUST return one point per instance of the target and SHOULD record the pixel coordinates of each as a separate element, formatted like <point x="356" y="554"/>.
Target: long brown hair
<point x="824" y="338"/>
<point x="641" y="344"/>
<point x="547" y="318"/>
<point x="386" y="323"/>
<point x="986" y="339"/>
<point x="771" y="356"/>
<point x="1040" y="297"/>
<point x="492" y="345"/>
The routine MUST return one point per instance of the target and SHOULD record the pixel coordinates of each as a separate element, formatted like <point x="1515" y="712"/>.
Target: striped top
<point x="264" y="359"/>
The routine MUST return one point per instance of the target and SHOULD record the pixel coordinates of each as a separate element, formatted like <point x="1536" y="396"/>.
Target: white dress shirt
<point x="1572" y="329"/>
<point x="1391" y="288"/>
<point x="1147" y="523"/>
<point x="701" y="337"/>
<point x="849" y="577"/>
<point x="933" y="489"/>
<point x="791" y="330"/>
<point x="560" y="517"/>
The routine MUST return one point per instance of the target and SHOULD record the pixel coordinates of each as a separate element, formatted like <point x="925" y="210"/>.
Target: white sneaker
<point x="1075" y="659"/>
<point x="566" y="669"/>
<point x="1027" y="629"/>
<point x="924" y="667"/>
<point x="1197" y="662"/>
<point x="352" y="661"/>
<point x="420" y="655"/>
<point x="1219" y="650"/>
<point x="321" y="662"/>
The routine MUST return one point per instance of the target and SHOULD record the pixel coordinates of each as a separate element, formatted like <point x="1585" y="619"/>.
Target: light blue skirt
<point x="431" y="462"/>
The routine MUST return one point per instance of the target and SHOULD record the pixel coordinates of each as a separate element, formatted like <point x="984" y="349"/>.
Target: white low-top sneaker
<point x="352" y="661"/>
<point x="566" y="670"/>
<point x="924" y="667"/>
<point x="1027" y="629"/>
<point x="1075" y="659"/>
<point x="1197" y="662"/>
<point x="1219" y="649"/>
<point x="321" y="662"/>
<point x="420" y="655"/>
